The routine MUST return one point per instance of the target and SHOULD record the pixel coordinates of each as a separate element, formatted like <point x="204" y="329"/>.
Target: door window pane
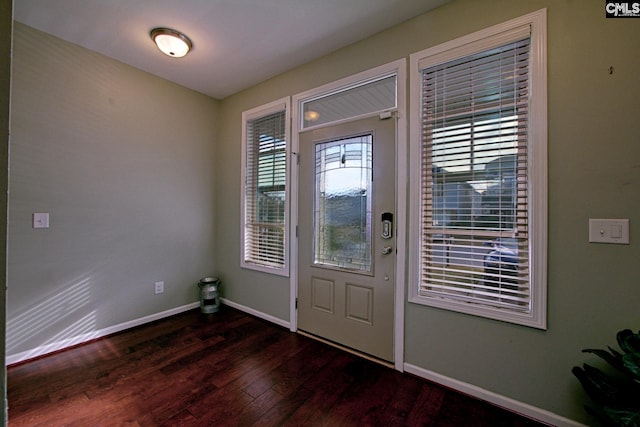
<point x="342" y="223"/>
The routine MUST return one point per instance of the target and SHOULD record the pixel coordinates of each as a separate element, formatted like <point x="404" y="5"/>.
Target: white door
<point x="346" y="231"/>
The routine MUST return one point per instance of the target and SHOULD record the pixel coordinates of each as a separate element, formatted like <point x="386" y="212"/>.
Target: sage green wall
<point x="128" y="164"/>
<point x="594" y="171"/>
<point x="123" y="162"/>
<point x="5" y="85"/>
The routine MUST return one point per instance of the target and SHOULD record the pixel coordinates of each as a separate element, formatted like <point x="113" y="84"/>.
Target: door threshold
<point x="348" y="349"/>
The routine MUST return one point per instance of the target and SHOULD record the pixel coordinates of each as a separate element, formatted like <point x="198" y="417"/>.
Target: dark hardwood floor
<point x="228" y="369"/>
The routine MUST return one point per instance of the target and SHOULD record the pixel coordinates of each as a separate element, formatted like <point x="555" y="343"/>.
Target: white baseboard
<point x="69" y="342"/>
<point x="494" y="398"/>
<point x="256" y="313"/>
<point x="80" y="339"/>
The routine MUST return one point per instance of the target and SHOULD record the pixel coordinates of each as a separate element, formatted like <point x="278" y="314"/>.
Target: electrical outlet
<point x="159" y="286"/>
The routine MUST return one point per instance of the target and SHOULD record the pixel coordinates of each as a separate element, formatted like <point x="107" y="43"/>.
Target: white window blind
<point x="474" y="199"/>
<point x="265" y="204"/>
<point x="479" y="173"/>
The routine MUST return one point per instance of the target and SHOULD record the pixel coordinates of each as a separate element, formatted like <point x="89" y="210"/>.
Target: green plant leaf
<point x="633" y="343"/>
<point x="622" y="417"/>
<point x="615" y="398"/>
<point x="628" y="341"/>
<point x="596" y="384"/>
<point x="615" y="352"/>
<point x="631" y="362"/>
<point x="614" y="359"/>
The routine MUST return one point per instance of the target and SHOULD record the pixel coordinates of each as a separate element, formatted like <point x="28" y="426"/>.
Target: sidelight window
<point x="480" y="199"/>
<point x="265" y="175"/>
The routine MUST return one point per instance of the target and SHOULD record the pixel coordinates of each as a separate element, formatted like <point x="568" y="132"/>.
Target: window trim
<point x="274" y="107"/>
<point x="537" y="141"/>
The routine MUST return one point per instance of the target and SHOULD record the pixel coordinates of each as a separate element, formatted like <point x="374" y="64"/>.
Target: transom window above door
<point x="364" y="98"/>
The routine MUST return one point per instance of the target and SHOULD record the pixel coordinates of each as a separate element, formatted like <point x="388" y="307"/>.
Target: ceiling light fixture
<point x="171" y="42"/>
<point x="311" y="116"/>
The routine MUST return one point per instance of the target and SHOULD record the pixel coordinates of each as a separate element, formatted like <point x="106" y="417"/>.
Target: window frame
<point x="468" y="45"/>
<point x="249" y="116"/>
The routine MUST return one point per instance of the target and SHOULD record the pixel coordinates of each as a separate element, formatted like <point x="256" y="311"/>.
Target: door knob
<point x="386" y="250"/>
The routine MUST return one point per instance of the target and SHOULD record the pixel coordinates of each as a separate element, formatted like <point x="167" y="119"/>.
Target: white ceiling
<point x="237" y="43"/>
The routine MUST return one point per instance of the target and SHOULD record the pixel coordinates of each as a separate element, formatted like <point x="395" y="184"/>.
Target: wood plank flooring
<point x="228" y="369"/>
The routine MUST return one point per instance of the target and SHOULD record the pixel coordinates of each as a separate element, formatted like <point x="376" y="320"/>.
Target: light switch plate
<point x="614" y="231"/>
<point x="159" y="287"/>
<point x="40" y="220"/>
